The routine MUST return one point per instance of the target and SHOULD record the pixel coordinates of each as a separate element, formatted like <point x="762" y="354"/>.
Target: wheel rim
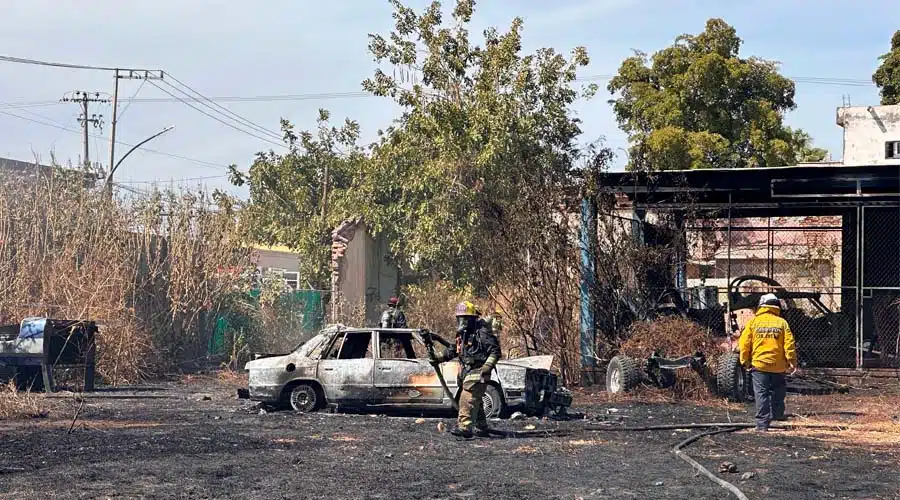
<point x="615" y="380"/>
<point x="488" y="404"/>
<point x="303" y="398"/>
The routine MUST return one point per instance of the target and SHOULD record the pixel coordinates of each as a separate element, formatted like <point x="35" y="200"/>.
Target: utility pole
<point x="124" y="74"/>
<point x="84" y="99"/>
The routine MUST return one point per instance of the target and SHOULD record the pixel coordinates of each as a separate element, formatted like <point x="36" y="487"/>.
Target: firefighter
<point x="393" y="316"/>
<point x="478" y="351"/>
<point x="768" y="351"/>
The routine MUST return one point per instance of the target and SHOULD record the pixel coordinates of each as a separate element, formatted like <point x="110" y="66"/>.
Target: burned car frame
<point x="365" y="367"/>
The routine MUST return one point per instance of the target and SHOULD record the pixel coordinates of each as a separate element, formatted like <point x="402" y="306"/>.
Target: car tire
<point x="623" y="374"/>
<point x="304" y="398"/>
<point x="492" y="402"/>
<point x="730" y="377"/>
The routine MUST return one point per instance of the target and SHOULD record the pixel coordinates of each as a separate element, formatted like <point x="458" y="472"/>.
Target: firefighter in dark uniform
<point x="393" y="317"/>
<point x="478" y="351"/>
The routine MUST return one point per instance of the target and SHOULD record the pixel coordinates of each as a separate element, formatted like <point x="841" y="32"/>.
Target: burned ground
<point x="195" y="440"/>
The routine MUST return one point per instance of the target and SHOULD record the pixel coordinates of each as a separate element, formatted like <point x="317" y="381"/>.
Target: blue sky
<point x="226" y="48"/>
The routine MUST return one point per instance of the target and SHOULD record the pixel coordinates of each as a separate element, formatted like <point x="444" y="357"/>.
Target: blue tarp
<point x="32" y="328"/>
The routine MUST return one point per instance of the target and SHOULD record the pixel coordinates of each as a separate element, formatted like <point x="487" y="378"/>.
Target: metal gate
<point x="878" y="290"/>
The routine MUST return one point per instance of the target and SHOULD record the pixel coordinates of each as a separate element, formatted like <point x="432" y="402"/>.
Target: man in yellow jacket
<point x="768" y="351"/>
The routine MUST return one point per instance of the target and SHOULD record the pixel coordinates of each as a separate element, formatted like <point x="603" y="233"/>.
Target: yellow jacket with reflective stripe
<point x="767" y="343"/>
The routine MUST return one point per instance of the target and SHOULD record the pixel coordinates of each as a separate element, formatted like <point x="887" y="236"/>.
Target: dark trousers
<point x="770" y="390"/>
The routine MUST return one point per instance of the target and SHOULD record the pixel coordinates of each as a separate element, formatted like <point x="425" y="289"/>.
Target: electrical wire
<point x="21" y="60"/>
<point x="244" y="131"/>
<point x="840" y="82"/>
<point x="184" y="179"/>
<point x="240" y="118"/>
<point x="128" y="104"/>
<point x="202" y="163"/>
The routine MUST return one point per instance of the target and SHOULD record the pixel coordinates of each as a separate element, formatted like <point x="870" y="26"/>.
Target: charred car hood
<point x="534" y="362"/>
<point x="276" y="362"/>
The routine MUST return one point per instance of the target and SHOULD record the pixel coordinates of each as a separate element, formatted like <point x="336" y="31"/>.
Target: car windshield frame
<point x="305" y="349"/>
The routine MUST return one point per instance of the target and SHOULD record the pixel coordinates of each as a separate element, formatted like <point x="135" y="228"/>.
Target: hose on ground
<point x="664" y="427"/>
<point x="703" y="470"/>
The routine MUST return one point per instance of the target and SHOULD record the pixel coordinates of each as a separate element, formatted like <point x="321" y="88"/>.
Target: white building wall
<point x="867" y="131"/>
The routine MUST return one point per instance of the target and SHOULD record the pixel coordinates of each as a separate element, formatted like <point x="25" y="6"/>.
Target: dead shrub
<point x="674" y="337"/>
<point x="17" y="405"/>
<point x="152" y="271"/>
<point x="432" y="305"/>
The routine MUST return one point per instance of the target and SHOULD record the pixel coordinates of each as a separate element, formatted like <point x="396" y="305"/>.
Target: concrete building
<point x="363" y="275"/>
<point x="279" y="260"/>
<point x="871" y="135"/>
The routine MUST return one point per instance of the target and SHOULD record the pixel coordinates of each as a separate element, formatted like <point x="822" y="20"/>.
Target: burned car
<point x="364" y="367"/>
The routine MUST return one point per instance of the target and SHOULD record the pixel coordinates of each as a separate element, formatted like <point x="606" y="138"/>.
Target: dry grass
<point x="233" y="378"/>
<point x="871" y="418"/>
<point x="18" y="405"/>
<point x="149" y="271"/>
<point x="432" y="305"/>
<point x="674" y="337"/>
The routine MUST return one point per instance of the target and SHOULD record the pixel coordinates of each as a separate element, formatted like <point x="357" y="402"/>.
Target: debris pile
<point x="673" y="337"/>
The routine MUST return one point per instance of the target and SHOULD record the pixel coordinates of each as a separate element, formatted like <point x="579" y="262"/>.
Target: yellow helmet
<point x="498" y="311"/>
<point x="466" y="308"/>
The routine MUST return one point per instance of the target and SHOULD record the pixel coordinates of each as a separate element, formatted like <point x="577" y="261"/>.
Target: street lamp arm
<point x="145" y="141"/>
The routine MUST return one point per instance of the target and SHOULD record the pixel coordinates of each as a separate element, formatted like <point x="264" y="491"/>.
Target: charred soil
<point x="194" y="439"/>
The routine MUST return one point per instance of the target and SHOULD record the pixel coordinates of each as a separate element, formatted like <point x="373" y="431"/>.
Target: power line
<point x="36" y="62"/>
<point x="840" y="82"/>
<point x="183" y="179"/>
<point x="244" y="131"/>
<point x="240" y="118"/>
<point x="50" y="123"/>
<point x="128" y="104"/>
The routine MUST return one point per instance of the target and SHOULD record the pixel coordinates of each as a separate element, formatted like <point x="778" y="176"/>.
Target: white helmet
<point x="769" y="300"/>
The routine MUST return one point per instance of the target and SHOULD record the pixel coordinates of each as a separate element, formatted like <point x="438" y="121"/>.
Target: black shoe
<point x="463" y="433"/>
<point x="482" y="433"/>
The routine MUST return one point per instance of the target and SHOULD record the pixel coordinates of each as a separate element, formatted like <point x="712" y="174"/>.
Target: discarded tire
<point x="623" y="374"/>
<point x="492" y="402"/>
<point x="304" y="398"/>
<point x="730" y="377"/>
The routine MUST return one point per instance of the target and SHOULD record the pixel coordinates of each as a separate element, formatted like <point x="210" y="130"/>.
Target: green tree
<point x="482" y="129"/>
<point x="698" y="104"/>
<point x="298" y="197"/>
<point x="887" y="76"/>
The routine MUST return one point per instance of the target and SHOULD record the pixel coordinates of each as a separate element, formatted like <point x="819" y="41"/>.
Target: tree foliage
<point x="297" y="198"/>
<point x="887" y="76"/>
<point x="483" y="127"/>
<point x="698" y="104"/>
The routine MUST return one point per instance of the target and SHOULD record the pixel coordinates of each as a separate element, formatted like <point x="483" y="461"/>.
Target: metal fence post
<point x="588" y="235"/>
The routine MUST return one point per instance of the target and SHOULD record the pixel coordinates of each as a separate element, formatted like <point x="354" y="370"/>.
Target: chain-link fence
<point x="278" y="325"/>
<point x="879" y="295"/>
<point x="811" y="264"/>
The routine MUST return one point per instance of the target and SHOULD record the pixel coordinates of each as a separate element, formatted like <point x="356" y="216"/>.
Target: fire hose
<point x="429" y="345"/>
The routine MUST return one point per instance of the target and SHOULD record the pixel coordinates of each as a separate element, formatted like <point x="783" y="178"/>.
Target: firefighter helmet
<point x="466" y="308"/>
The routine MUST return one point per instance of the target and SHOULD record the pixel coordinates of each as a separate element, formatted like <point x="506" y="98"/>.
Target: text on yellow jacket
<point x="767" y="343"/>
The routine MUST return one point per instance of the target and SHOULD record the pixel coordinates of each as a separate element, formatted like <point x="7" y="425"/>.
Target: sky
<point x="309" y="48"/>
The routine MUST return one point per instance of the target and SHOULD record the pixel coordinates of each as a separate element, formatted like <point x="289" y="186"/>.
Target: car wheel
<point x="730" y="377"/>
<point x="304" y="398"/>
<point x="623" y="374"/>
<point x="492" y="402"/>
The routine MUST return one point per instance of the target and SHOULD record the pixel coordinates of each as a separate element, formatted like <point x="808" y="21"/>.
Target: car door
<point x="403" y="375"/>
<point x="346" y="371"/>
